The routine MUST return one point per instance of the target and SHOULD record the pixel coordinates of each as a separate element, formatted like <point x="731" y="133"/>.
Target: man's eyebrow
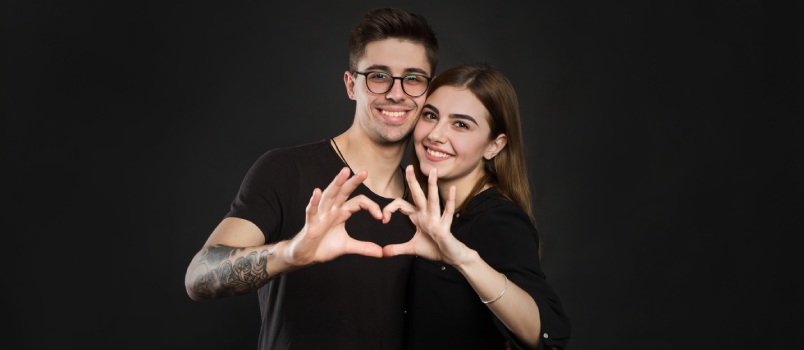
<point x="379" y="67"/>
<point x="415" y="70"/>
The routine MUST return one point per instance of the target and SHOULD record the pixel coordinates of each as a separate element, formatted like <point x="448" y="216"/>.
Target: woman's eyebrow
<point x="464" y="117"/>
<point x="427" y="105"/>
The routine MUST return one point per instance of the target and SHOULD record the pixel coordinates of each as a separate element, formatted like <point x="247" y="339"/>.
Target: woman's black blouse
<point x="444" y="312"/>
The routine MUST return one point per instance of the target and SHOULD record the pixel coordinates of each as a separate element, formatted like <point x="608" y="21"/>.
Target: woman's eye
<point x="461" y="125"/>
<point x="429" y="115"/>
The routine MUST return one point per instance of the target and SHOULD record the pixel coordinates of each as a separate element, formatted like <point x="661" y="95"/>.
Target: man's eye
<point x="379" y="76"/>
<point x="414" y="79"/>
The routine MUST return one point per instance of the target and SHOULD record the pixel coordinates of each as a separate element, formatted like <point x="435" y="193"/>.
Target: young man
<point x="320" y="279"/>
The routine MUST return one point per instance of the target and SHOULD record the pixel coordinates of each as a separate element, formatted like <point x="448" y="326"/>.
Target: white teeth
<point x="393" y="114"/>
<point x="437" y="154"/>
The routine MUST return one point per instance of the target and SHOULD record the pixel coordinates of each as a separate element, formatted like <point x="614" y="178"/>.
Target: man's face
<point x="388" y="117"/>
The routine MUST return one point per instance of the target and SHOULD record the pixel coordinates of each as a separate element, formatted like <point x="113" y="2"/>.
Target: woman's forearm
<point x="515" y="308"/>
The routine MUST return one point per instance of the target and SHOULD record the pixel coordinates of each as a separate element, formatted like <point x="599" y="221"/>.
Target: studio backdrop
<point x="664" y="145"/>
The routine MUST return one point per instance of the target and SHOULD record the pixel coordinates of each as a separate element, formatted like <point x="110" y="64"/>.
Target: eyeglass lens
<point x="412" y="84"/>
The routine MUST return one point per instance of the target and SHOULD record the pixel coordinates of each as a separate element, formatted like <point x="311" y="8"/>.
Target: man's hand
<point x="324" y="235"/>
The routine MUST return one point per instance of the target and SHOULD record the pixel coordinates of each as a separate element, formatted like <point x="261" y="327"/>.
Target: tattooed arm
<point x="235" y="259"/>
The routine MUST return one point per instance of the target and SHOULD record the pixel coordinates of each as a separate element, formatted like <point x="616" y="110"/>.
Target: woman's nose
<point x="436" y="135"/>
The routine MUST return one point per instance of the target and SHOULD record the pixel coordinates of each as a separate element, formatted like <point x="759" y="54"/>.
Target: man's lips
<point x="394" y="116"/>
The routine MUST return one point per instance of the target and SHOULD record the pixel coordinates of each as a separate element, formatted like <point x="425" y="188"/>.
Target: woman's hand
<point x="433" y="239"/>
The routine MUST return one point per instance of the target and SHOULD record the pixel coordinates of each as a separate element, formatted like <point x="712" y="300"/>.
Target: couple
<point x="441" y="254"/>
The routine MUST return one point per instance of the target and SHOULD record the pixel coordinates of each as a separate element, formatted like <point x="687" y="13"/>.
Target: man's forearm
<point x="220" y="271"/>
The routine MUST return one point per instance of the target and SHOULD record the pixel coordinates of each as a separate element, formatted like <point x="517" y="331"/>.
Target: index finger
<point x="349" y="186"/>
<point x="432" y="189"/>
<point x="416" y="192"/>
<point x="334" y="186"/>
<point x="449" y="207"/>
<point x="333" y="192"/>
<point x="398" y="204"/>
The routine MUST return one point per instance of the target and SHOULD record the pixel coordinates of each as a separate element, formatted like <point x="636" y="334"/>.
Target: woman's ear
<point x="496" y="146"/>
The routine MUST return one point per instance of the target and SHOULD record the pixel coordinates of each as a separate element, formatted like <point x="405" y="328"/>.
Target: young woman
<point x="476" y="282"/>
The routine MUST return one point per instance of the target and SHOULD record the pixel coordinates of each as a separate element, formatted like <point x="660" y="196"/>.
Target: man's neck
<point x="380" y="159"/>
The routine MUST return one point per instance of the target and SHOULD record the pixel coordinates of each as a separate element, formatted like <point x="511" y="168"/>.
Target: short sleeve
<point x="271" y="181"/>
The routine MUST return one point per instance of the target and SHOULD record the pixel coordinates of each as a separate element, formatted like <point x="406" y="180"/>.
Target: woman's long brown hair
<point x="508" y="170"/>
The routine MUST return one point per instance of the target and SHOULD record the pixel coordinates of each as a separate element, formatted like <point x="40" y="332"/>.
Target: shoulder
<point x="292" y="158"/>
<point x="309" y="165"/>
<point x="489" y="207"/>
<point x="499" y="230"/>
<point x="284" y="164"/>
<point x="489" y="216"/>
<point x="296" y="152"/>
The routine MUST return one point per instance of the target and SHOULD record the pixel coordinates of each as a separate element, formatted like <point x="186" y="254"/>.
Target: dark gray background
<point x="664" y="145"/>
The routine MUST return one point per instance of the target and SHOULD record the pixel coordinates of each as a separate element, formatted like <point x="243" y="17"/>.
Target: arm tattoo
<point x="227" y="278"/>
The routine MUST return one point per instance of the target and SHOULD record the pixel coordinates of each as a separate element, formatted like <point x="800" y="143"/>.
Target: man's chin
<point x="392" y="138"/>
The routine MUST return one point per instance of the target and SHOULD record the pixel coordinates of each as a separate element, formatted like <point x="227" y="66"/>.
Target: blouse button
<point x="546" y="336"/>
<point x="443" y="268"/>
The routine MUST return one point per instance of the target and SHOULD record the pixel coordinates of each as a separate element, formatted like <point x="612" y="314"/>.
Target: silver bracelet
<point x="501" y="294"/>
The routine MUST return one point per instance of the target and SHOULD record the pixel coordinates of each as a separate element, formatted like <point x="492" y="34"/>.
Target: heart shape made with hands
<point x="324" y="236"/>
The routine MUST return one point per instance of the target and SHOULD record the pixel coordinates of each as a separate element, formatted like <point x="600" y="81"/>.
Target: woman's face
<point x="453" y="135"/>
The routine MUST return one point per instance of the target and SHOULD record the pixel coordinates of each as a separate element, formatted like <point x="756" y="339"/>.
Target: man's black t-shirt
<point x="352" y="302"/>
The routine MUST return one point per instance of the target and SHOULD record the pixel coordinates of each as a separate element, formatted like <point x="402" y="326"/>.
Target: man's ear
<point x="496" y="146"/>
<point x="348" y="80"/>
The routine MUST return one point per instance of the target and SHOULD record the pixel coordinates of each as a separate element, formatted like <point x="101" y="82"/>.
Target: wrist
<point x="284" y="258"/>
<point x="469" y="261"/>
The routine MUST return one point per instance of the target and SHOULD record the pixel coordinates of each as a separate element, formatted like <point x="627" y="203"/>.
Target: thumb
<point x="398" y="249"/>
<point x="370" y="249"/>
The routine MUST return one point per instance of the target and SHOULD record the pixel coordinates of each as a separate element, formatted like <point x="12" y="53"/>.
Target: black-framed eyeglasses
<point x="414" y="85"/>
